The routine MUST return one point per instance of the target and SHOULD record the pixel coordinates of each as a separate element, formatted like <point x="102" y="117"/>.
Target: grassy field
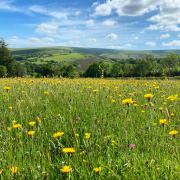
<point x="89" y="129"/>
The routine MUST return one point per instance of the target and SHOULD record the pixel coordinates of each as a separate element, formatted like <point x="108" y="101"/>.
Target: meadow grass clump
<point x="89" y="129"/>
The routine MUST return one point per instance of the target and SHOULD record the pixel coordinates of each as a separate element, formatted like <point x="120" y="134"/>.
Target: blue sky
<point x="117" y="24"/>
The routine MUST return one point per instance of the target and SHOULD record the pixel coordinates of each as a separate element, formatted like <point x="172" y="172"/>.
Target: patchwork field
<point x="89" y="129"/>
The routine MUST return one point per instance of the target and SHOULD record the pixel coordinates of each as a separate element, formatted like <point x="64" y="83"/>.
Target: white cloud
<point x="77" y="13"/>
<point x="112" y="36"/>
<point x="50" y="28"/>
<point x="178" y="35"/>
<point x="104" y="9"/>
<point x="166" y="19"/>
<point x="124" y="46"/>
<point x="89" y="22"/>
<point x="48" y="12"/>
<point x="92" y="40"/>
<point x="109" y="23"/>
<point x="151" y="43"/>
<point x="164" y="36"/>
<point x="15" y="41"/>
<point x="136" y="37"/>
<point x="7" y="5"/>
<point x="125" y="7"/>
<point x="175" y="43"/>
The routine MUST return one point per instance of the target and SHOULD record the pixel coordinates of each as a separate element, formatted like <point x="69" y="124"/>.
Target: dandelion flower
<point x="97" y="170"/>
<point x="17" y="126"/>
<point x="7" y="88"/>
<point x="39" y="120"/>
<point x="32" y="123"/>
<point x="87" y="136"/>
<point x="58" y="134"/>
<point x="173" y="133"/>
<point x="14" y="170"/>
<point x="10" y="108"/>
<point x="46" y="93"/>
<point x="163" y="122"/>
<point x="68" y="150"/>
<point x="30" y="133"/>
<point x="148" y="96"/>
<point x="128" y="101"/>
<point x="173" y="97"/>
<point x="66" y="169"/>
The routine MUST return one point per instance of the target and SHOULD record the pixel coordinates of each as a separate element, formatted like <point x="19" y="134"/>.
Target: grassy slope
<point x="82" y="56"/>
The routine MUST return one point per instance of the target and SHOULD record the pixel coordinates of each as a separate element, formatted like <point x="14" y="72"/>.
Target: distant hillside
<point x="81" y="56"/>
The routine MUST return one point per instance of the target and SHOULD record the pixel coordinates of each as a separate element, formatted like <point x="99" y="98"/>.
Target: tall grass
<point x="126" y="141"/>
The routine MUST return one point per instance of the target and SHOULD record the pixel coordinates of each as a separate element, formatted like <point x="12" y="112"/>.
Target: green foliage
<point x="5" y="56"/>
<point x="3" y="71"/>
<point x="147" y="67"/>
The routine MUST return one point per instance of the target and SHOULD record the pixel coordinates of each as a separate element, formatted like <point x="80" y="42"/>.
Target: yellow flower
<point x="17" y="126"/>
<point x="113" y="100"/>
<point x="32" y="123"/>
<point x="14" y="170"/>
<point x="7" y="88"/>
<point x="135" y="104"/>
<point x="58" y="134"/>
<point x="95" y="90"/>
<point x="46" y="93"/>
<point x="97" y="169"/>
<point x="77" y="135"/>
<point x="87" y="135"/>
<point x="113" y="143"/>
<point x="163" y="121"/>
<point x="148" y="96"/>
<point x="31" y="133"/>
<point x="173" y="133"/>
<point x="10" y="108"/>
<point x="68" y="150"/>
<point x="1" y="171"/>
<point x="66" y="169"/>
<point x="173" y="97"/>
<point x="128" y="101"/>
<point x="39" y="120"/>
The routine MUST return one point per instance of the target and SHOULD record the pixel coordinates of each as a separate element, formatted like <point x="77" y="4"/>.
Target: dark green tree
<point x="3" y="71"/>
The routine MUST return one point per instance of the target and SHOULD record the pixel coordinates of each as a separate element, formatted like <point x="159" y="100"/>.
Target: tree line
<point x="143" y="67"/>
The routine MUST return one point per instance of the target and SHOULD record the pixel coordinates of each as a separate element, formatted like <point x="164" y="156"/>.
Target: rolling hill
<point x="81" y="56"/>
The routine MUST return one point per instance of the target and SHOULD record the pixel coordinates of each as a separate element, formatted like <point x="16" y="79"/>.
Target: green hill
<point x="81" y="56"/>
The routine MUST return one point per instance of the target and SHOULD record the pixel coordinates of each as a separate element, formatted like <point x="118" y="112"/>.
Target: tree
<point x="71" y="71"/>
<point x="5" y="55"/>
<point x="99" y="69"/>
<point x="117" y="70"/>
<point x="17" y="70"/>
<point x="6" y="58"/>
<point x="169" y="63"/>
<point x="93" y="71"/>
<point x="143" y="68"/>
<point x="3" y="71"/>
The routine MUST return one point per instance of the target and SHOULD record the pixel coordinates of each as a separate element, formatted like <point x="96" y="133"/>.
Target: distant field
<point x="83" y="57"/>
<point x="65" y="55"/>
<point x="89" y="129"/>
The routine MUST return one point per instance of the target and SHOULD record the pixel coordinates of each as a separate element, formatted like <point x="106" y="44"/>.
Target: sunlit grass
<point x="89" y="129"/>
